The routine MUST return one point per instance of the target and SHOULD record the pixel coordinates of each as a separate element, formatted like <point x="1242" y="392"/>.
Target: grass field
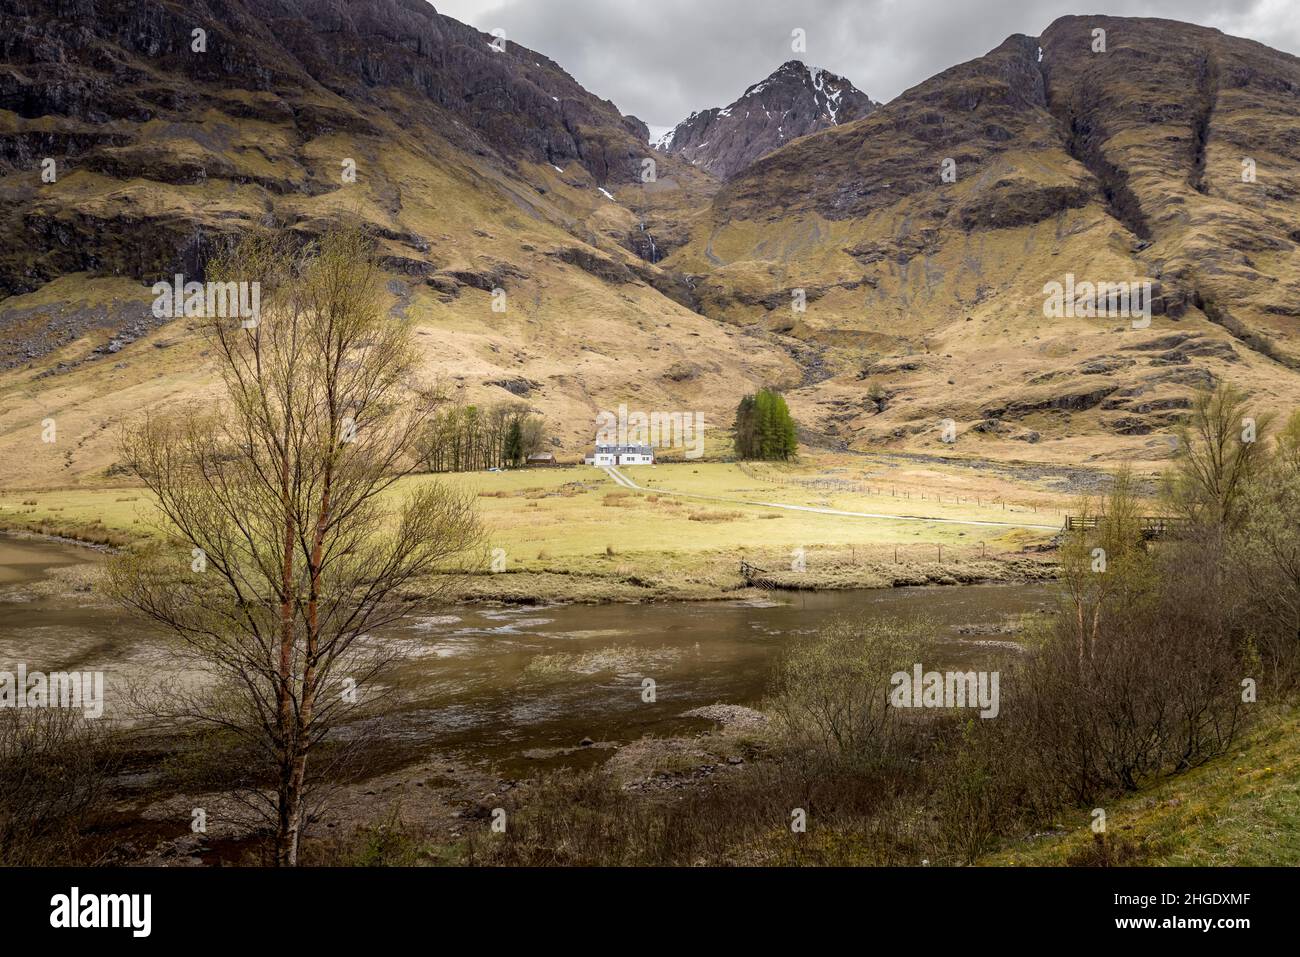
<point x="577" y="524"/>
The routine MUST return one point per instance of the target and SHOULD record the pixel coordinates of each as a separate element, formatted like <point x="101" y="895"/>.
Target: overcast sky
<point x="663" y="59"/>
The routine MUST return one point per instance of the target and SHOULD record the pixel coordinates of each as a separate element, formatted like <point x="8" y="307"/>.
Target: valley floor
<point x="578" y="534"/>
<point x="700" y="530"/>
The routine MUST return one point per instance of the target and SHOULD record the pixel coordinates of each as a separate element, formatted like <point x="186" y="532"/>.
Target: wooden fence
<point x="1153" y="526"/>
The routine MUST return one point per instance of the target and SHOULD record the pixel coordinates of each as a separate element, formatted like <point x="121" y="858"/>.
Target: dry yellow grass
<point x="603" y="540"/>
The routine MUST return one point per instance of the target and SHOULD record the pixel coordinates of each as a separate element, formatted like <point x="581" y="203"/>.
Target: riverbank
<point x="480" y="701"/>
<point x="653" y="577"/>
<point x="719" y="576"/>
<point x="1239" y="809"/>
<point x="684" y="528"/>
<point x="427" y="789"/>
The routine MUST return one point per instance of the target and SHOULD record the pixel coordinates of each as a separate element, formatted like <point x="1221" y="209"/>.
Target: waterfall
<point x="654" y="250"/>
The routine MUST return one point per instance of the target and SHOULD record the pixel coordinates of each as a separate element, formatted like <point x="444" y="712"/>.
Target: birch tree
<point x="289" y="525"/>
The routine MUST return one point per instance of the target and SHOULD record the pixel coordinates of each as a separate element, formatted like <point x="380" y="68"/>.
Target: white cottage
<point x="606" y="455"/>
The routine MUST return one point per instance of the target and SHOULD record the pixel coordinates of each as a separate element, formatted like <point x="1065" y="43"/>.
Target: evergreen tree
<point x="764" y="427"/>
<point x="514" y="443"/>
<point x="745" y="429"/>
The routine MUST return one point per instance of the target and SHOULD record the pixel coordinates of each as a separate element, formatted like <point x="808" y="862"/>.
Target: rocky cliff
<point x="794" y="101"/>
<point x="889" y="267"/>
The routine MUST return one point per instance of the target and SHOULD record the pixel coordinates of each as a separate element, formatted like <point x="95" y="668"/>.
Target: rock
<point x="681" y="372"/>
<point x="794" y="101"/>
<point x="1009" y="203"/>
<point x="599" y="266"/>
<point x="990" y="427"/>
<point x="730" y="716"/>
<point x="521" y="387"/>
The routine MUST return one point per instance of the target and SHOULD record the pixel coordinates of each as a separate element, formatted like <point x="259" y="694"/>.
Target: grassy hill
<point x="1238" y="810"/>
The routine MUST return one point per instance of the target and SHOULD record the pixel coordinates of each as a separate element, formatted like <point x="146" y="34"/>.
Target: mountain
<point x="794" y="101"/>
<point x="482" y="166"/>
<point x="1173" y="157"/>
<point x="116" y="89"/>
<point x="475" y="169"/>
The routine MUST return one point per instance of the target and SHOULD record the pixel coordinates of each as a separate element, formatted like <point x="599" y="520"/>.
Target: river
<point x="516" y="689"/>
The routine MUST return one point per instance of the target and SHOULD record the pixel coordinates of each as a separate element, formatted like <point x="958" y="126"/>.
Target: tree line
<point x="467" y="438"/>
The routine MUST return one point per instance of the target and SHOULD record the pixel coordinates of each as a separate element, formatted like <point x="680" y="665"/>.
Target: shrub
<point x="55" y="767"/>
<point x="832" y="693"/>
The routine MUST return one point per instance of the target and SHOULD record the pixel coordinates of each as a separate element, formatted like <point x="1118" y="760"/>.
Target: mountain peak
<point x="794" y="100"/>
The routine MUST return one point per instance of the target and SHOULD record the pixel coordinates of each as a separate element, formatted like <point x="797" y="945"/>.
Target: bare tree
<point x="1103" y="564"/>
<point x="294" y="544"/>
<point x="1220" y="450"/>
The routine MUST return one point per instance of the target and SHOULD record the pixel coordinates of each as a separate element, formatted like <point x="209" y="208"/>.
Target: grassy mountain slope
<point x="479" y="169"/>
<point x="460" y="202"/>
<point x="1238" y="810"/>
<point x="1116" y="166"/>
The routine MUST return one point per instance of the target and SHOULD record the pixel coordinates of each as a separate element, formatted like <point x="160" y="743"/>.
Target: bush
<point x="585" y="818"/>
<point x="832" y="693"/>
<point x="55" y="767"/>
<point x="1140" y="676"/>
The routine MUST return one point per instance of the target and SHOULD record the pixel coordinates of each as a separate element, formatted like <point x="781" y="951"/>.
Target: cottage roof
<point x="625" y="449"/>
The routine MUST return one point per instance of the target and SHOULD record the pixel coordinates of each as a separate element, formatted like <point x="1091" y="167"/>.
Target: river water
<point x="518" y="689"/>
